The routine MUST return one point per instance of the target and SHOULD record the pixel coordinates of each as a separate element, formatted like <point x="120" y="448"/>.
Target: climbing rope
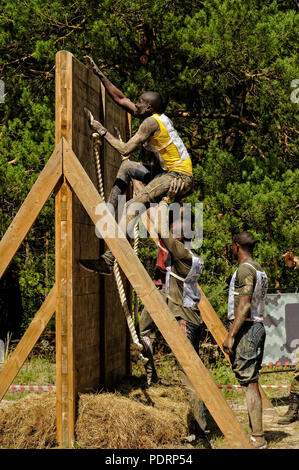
<point x="136" y="347"/>
<point x="136" y="236"/>
<point x="135" y="247"/>
<point x="96" y="144"/>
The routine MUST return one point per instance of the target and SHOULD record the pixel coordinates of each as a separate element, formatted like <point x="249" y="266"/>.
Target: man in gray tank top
<point x="183" y="267"/>
<point x="246" y="337"/>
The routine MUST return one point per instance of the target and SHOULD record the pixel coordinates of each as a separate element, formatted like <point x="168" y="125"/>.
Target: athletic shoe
<point x="259" y="442"/>
<point x="96" y="266"/>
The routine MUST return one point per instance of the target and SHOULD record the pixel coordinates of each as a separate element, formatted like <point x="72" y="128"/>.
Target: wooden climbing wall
<point x="115" y="344"/>
<point x="91" y="334"/>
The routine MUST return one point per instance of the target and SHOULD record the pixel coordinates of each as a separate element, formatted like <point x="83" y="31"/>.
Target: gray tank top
<point x="258" y="297"/>
<point x="191" y="293"/>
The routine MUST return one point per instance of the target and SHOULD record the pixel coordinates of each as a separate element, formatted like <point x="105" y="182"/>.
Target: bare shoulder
<point x="149" y="125"/>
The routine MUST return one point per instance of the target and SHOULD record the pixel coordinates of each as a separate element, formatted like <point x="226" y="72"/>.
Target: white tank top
<point x="258" y="297"/>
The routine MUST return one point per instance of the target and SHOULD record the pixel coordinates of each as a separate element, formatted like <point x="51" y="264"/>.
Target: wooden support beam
<point x="213" y="322"/>
<point x="31" y="207"/>
<point x="26" y="344"/>
<point x="198" y="375"/>
<point x="65" y="371"/>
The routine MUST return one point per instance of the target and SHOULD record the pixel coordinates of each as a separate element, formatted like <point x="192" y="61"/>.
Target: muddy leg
<point x="152" y="192"/>
<point x="128" y="170"/>
<point x="254" y="407"/>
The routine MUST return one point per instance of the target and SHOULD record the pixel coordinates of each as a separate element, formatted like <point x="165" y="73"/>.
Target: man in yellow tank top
<point x="159" y="139"/>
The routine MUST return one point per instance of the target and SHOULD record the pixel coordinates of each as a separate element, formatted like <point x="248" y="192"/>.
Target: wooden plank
<point x="86" y="91"/>
<point x="213" y="322"/>
<point x="65" y="394"/>
<point x="26" y="344"/>
<point x="198" y="375"/>
<point x="31" y="207"/>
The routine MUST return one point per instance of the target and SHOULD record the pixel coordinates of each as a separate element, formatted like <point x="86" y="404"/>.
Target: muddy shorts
<point x="248" y="352"/>
<point x="153" y="192"/>
<point x="157" y="182"/>
<point x="159" y="187"/>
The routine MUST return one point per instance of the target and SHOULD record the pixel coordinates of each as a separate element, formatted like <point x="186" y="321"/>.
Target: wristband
<point x="103" y="132"/>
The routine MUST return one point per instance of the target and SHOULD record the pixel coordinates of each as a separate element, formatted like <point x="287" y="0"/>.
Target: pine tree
<point x="226" y="68"/>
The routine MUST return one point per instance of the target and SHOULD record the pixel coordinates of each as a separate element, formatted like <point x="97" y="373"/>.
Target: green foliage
<point x="227" y="64"/>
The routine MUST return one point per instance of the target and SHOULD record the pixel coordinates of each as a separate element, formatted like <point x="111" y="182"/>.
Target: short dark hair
<point x="246" y="240"/>
<point x="156" y="100"/>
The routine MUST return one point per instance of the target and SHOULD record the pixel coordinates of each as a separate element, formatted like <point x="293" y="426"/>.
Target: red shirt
<point x="159" y="277"/>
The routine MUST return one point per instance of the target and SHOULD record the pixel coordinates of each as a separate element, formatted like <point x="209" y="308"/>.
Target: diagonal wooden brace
<point x="26" y="344"/>
<point x="31" y="207"/>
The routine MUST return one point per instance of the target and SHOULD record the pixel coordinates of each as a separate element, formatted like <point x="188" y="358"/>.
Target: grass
<point x="41" y="371"/>
<point x="35" y="371"/>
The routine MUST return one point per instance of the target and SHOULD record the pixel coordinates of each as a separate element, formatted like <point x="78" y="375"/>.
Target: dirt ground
<point x="278" y="436"/>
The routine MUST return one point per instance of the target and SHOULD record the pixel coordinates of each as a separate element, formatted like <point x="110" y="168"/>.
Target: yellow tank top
<point x="170" y="147"/>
